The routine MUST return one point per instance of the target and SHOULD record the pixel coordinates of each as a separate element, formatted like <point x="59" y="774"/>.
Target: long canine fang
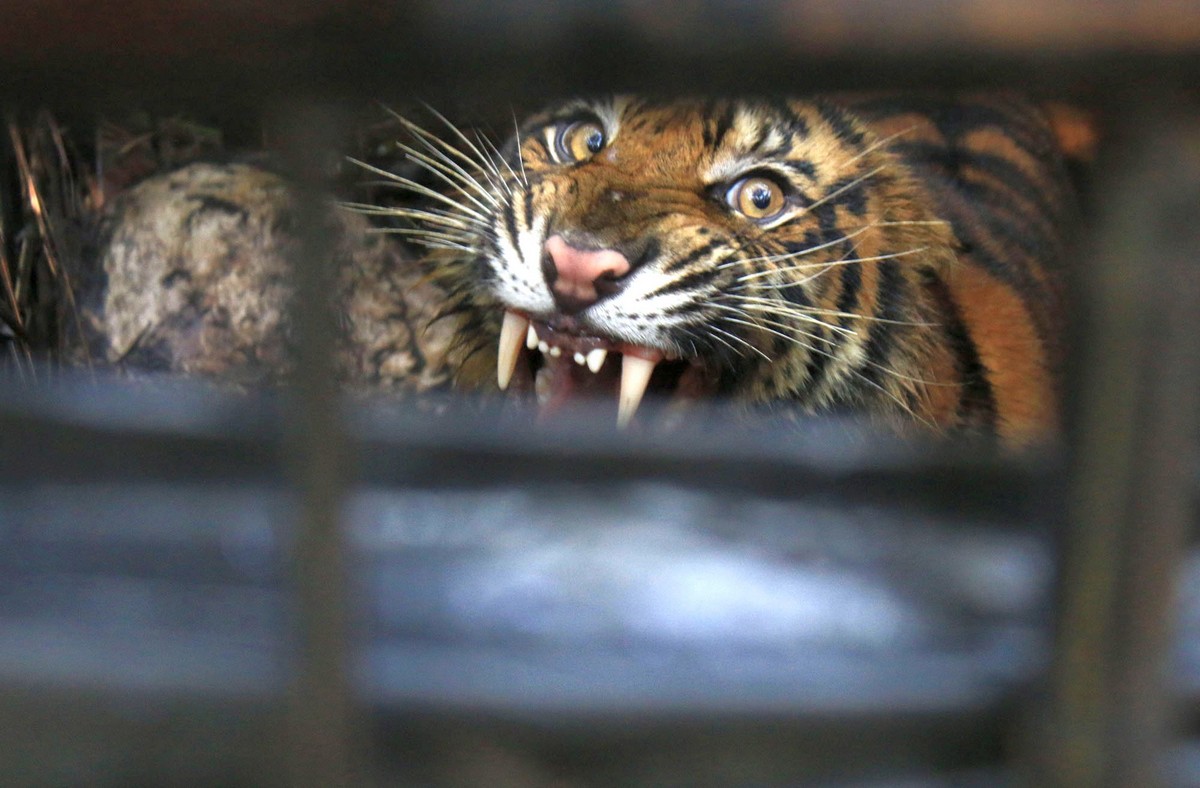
<point x="635" y="376"/>
<point x="512" y="336"/>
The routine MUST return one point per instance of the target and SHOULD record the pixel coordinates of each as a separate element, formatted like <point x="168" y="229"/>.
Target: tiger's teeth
<point x="595" y="359"/>
<point x="555" y="351"/>
<point x="511" y="331"/>
<point x="544" y="347"/>
<point x="635" y="376"/>
<point x="579" y="359"/>
<point x="531" y="340"/>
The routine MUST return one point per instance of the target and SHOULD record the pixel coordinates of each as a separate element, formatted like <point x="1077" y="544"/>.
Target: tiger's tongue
<point x="621" y="374"/>
<point x="560" y="380"/>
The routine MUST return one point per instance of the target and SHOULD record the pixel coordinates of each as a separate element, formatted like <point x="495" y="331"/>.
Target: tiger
<point x="895" y="258"/>
<point x="899" y="258"/>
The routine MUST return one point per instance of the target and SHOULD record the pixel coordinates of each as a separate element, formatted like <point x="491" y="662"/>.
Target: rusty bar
<point x="1109" y="718"/>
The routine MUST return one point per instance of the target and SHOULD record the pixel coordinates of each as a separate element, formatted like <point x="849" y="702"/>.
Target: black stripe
<point x="796" y="294"/>
<point x="854" y="198"/>
<point x="724" y="124"/>
<point x="788" y="120"/>
<point x="977" y="401"/>
<point x="686" y="282"/>
<point x="889" y="296"/>
<point x="709" y="109"/>
<point x="528" y="197"/>
<point x="968" y="223"/>
<point x="840" y="121"/>
<point x="803" y="167"/>
<point x="510" y="224"/>
<point x="1015" y="275"/>
<point x="691" y="256"/>
<point x="954" y="118"/>
<point x="818" y="362"/>
<point x="921" y="155"/>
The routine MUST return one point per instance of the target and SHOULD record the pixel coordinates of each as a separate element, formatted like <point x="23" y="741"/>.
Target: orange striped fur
<point x="893" y="256"/>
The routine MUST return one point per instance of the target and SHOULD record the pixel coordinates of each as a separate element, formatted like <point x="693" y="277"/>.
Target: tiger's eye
<point x="757" y="198"/>
<point x="580" y="140"/>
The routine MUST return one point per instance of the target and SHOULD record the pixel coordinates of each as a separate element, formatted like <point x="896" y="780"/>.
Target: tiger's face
<point x="765" y="251"/>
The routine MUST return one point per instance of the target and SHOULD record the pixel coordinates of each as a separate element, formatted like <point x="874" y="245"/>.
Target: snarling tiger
<point x="896" y="257"/>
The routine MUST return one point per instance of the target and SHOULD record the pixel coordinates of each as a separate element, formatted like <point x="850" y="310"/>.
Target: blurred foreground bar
<point x="230" y="55"/>
<point x="674" y="606"/>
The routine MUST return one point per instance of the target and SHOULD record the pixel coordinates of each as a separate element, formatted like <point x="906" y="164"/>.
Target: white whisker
<point x="440" y="147"/>
<point x="876" y="145"/>
<point x="425" y="216"/>
<point x="413" y="186"/>
<point x="824" y="266"/>
<point x="453" y="175"/>
<point x="838" y="192"/>
<point x="802" y="252"/>
<point x="458" y="133"/>
<point x="713" y="331"/>
<point x="520" y="158"/>
<point x="495" y="155"/>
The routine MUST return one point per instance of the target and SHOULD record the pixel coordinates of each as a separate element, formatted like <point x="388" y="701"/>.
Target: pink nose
<point x="576" y="273"/>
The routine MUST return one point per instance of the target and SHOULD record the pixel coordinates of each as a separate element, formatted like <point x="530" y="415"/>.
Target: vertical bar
<point x="1109" y="718"/>
<point x="321" y="716"/>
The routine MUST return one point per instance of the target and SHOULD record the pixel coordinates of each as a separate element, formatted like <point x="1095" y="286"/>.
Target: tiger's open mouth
<point x="559" y="364"/>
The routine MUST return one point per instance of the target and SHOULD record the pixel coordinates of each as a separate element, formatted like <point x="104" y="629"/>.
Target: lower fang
<point x="635" y="376"/>
<point x="531" y="339"/>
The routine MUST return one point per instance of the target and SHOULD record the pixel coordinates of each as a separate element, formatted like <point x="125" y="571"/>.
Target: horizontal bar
<point x="96" y="429"/>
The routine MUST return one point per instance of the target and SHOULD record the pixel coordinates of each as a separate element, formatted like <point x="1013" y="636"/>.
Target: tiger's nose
<point x="579" y="278"/>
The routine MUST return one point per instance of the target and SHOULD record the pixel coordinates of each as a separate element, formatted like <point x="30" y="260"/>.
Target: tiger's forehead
<point x="717" y="139"/>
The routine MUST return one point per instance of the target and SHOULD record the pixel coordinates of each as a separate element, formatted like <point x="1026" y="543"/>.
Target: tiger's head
<point x="770" y="252"/>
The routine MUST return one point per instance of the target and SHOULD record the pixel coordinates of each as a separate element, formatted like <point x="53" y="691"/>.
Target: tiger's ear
<point x="1076" y="130"/>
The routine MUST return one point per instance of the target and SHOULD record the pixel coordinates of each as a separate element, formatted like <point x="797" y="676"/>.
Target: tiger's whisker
<point x="420" y="232"/>
<point x="790" y="309"/>
<point x="496" y="155"/>
<point x="734" y="337"/>
<point x="778" y="329"/>
<point x="842" y="190"/>
<point x="437" y="147"/>
<point x="452" y="174"/>
<point x="418" y="188"/>
<point x="520" y="158"/>
<point x="440" y="147"/>
<point x="802" y="252"/>
<point x="427" y="216"/>
<point x="767" y="306"/>
<point x="876" y="145"/>
<point x="458" y="133"/>
<point x="823" y="266"/>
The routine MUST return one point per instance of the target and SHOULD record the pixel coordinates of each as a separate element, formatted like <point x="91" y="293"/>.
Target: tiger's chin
<point x="556" y="364"/>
